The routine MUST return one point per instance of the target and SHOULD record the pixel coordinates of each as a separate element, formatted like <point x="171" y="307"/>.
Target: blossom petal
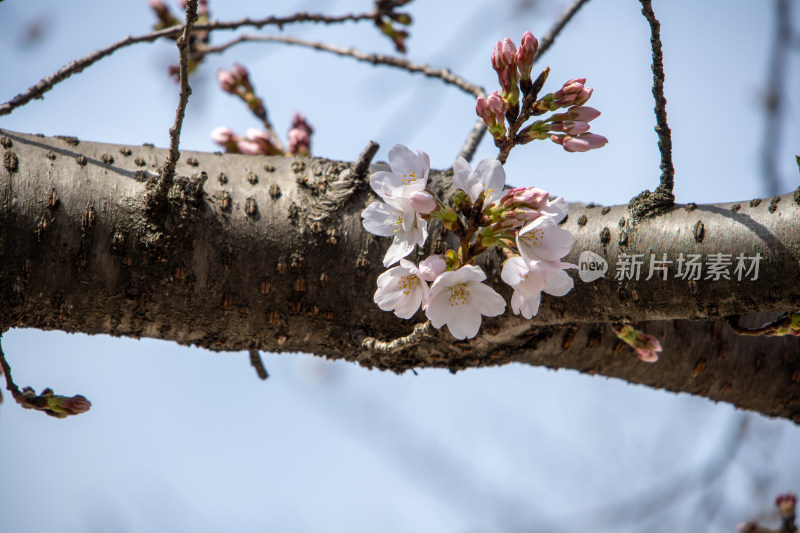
<point x="487" y="300"/>
<point x="464" y="323"/>
<point x="399" y="249"/>
<point x="382" y="219"/>
<point x="461" y="172"/>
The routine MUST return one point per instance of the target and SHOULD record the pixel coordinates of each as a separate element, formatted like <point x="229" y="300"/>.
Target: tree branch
<point x="662" y="197"/>
<point x="285" y="265"/>
<point x="168" y="170"/>
<point x="78" y="65"/>
<point x="376" y="59"/>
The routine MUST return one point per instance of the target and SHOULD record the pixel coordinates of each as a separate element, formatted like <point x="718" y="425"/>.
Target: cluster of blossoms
<point x="236" y="81"/>
<point x="522" y="222"/>
<point x="518" y="100"/>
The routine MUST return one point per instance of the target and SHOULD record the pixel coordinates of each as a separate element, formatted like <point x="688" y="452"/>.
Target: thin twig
<point x="769" y="329"/>
<point x="376" y="59"/>
<point x="258" y="364"/>
<point x="10" y="385"/>
<point x="420" y="330"/>
<point x="547" y="41"/>
<point x="662" y="128"/>
<point x="76" y="66"/>
<point x="168" y="170"/>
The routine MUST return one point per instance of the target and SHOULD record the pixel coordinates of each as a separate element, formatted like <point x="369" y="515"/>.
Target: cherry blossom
<point x="409" y="172"/>
<point x="396" y="218"/>
<point x="542" y="240"/>
<point x="459" y="299"/>
<point x="488" y="178"/>
<point x="402" y="289"/>
<point x="530" y="278"/>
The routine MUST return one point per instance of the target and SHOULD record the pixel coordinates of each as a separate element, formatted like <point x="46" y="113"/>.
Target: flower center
<point x="408" y="283"/>
<point x="459" y="294"/>
<point x="533" y="237"/>
<point x="397" y="222"/>
<point x="409" y="177"/>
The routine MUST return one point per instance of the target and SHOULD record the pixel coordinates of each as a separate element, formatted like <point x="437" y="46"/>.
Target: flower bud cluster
<point x="513" y="67"/>
<point x="523" y="222"/>
<point x="646" y="346"/>
<point x="54" y="404"/>
<point x="385" y="20"/>
<point x="255" y="142"/>
<point x="300" y="135"/>
<point x="236" y="81"/>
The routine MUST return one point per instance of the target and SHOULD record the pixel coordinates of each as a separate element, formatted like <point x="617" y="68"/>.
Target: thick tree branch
<point x="283" y="264"/>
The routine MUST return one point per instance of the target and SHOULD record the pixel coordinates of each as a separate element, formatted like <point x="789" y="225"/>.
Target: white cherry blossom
<point x="488" y="178"/>
<point x="530" y="279"/>
<point x="396" y="218"/>
<point x="409" y="173"/>
<point x="459" y="299"/>
<point x="543" y="240"/>
<point x="401" y="289"/>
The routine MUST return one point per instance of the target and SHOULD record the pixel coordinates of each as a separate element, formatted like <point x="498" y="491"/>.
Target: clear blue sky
<point x="332" y="447"/>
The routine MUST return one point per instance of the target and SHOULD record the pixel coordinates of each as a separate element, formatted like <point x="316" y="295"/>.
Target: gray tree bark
<point x="269" y="253"/>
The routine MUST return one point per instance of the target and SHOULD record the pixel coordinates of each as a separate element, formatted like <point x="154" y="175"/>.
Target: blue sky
<point x="180" y="438"/>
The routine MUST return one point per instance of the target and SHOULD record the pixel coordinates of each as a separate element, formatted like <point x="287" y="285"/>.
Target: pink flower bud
<point x="432" y="267"/>
<point x="508" y="51"/>
<point x="70" y="406"/>
<point x="492" y="112"/>
<point x="582" y="96"/>
<point x="496" y="104"/>
<point x="595" y="141"/>
<point x="248" y="147"/>
<point x="581" y="143"/>
<point x="222" y="135"/>
<point x="573" y="86"/>
<point x="299" y="142"/>
<point x="299" y="122"/>
<point x="497" y="57"/>
<point x="646" y="346"/>
<point x="571" y="127"/>
<point x="422" y="202"/>
<point x="240" y="74"/>
<point x="526" y="54"/>
<point x="226" y="81"/>
<point x="583" y="113"/>
<point x="263" y="140"/>
<point x="482" y="108"/>
<point x="526" y="196"/>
